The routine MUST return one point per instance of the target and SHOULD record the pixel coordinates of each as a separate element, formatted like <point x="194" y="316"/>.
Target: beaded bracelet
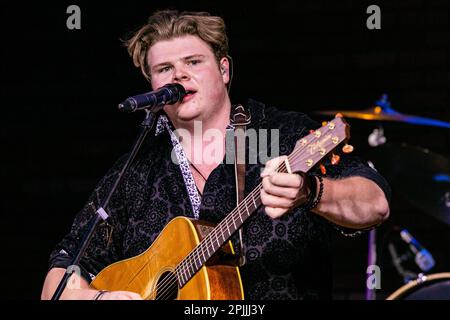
<point x="314" y="196"/>
<point x="99" y="294"/>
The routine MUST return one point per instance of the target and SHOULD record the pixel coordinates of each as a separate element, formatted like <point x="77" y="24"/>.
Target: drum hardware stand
<point x="397" y="260"/>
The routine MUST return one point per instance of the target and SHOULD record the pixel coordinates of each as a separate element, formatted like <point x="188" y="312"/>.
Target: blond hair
<point x="168" y="24"/>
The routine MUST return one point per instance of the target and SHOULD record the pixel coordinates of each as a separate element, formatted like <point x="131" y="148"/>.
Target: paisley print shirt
<point x="286" y="258"/>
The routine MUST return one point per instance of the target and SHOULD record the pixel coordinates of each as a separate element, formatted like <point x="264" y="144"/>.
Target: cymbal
<point x="420" y="175"/>
<point x="386" y="114"/>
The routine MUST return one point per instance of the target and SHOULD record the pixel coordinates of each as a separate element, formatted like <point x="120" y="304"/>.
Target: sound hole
<point x="167" y="287"/>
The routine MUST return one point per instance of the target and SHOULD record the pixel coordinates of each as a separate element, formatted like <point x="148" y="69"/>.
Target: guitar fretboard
<point x="220" y="234"/>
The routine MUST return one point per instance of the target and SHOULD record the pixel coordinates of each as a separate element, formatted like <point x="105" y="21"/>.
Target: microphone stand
<point x="146" y="126"/>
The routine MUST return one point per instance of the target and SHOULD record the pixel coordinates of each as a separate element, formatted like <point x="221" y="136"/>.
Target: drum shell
<point x="428" y="287"/>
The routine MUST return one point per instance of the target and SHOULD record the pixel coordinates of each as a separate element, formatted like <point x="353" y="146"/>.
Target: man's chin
<point x="188" y="115"/>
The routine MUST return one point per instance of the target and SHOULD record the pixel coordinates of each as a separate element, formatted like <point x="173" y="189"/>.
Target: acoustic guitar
<point x="190" y="259"/>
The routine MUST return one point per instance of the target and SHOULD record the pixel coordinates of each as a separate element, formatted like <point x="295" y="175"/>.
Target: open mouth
<point x="189" y="95"/>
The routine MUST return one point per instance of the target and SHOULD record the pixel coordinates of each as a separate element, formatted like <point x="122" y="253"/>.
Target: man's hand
<point x="120" y="295"/>
<point x="281" y="191"/>
<point x="352" y="202"/>
<point x="83" y="291"/>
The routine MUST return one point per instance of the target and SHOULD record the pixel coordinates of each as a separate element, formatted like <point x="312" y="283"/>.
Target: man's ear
<point x="225" y="69"/>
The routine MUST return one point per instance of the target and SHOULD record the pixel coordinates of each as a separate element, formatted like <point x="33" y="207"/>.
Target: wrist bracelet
<point x="99" y="294"/>
<point x="319" y="195"/>
<point x="314" y="196"/>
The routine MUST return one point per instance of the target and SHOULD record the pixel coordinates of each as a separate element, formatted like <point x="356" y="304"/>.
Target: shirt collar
<point x="256" y="109"/>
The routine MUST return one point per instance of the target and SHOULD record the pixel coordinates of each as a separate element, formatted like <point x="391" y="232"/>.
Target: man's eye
<point x="163" y="69"/>
<point x="194" y="62"/>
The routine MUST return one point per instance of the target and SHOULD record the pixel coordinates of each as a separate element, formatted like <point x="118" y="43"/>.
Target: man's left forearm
<point x="353" y="202"/>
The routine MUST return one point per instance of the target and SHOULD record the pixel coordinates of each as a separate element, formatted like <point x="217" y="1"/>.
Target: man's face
<point x="188" y="60"/>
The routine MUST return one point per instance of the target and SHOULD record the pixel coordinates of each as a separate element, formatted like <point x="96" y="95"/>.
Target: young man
<point x="286" y="247"/>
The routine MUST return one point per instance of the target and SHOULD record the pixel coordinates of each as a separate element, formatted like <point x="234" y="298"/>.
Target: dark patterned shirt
<point x="286" y="258"/>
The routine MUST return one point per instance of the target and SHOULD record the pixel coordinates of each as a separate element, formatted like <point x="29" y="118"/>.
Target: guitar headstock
<point x="310" y="149"/>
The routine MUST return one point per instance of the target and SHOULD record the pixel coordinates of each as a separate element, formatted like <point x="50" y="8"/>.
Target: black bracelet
<point x="319" y="195"/>
<point x="313" y="198"/>
<point x="99" y="294"/>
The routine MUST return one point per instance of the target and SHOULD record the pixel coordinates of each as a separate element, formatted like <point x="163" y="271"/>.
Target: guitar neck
<point x="220" y="234"/>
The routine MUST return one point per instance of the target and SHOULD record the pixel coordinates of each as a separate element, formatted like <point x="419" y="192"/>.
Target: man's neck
<point x="205" y="135"/>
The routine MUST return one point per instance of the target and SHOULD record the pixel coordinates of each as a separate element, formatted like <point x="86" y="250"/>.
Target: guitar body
<point x="151" y="274"/>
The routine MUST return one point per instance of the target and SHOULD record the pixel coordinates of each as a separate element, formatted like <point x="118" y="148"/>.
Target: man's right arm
<point x="80" y="291"/>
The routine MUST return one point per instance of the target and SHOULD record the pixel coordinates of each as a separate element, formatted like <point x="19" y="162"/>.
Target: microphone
<point x="423" y="257"/>
<point x="169" y="94"/>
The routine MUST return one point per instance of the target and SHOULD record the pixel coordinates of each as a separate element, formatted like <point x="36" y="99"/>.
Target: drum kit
<point x="423" y="177"/>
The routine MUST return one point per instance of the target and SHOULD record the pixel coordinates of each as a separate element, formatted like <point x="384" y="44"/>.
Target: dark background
<point x="61" y="130"/>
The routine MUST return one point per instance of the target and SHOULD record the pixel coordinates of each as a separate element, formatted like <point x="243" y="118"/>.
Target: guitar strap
<point x="240" y="119"/>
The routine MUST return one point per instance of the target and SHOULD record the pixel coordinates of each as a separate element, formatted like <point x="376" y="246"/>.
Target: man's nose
<point x="180" y="74"/>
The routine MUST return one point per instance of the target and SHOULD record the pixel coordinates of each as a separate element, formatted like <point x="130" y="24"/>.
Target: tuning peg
<point x="311" y="131"/>
<point x="335" y="159"/>
<point x="347" y="148"/>
<point x="324" y="123"/>
<point x="323" y="169"/>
